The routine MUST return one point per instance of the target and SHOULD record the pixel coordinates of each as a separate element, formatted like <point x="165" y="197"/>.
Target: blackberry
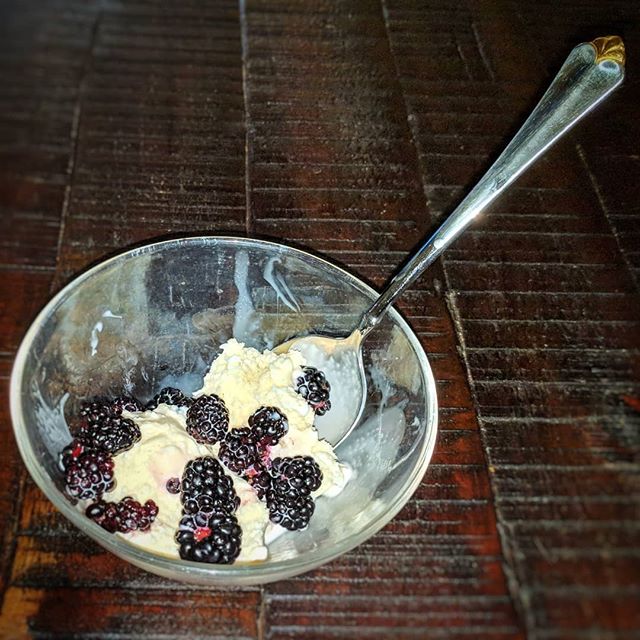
<point x="170" y="396"/>
<point x="297" y="476"/>
<point x="238" y="451"/>
<point x="95" y="412"/>
<point x="114" y="434"/>
<point x="173" y="485"/>
<point x="290" y="513"/>
<point x="125" y="403"/>
<point x="315" y="389"/>
<point x="207" y="419"/>
<point x="206" y="487"/>
<point x="268" y="425"/>
<point x="214" y="537"/>
<point x="125" y="516"/>
<point x="87" y="474"/>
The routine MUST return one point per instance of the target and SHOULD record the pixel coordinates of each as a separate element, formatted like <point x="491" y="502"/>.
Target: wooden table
<point x="350" y="128"/>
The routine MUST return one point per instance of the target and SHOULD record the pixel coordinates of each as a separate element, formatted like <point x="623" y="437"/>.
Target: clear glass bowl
<point x="156" y="315"/>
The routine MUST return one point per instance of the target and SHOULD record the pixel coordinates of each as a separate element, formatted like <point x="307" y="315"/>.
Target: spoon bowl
<point x="340" y="359"/>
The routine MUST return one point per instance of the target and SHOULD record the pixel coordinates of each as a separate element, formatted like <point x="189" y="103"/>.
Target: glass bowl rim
<point x="242" y="574"/>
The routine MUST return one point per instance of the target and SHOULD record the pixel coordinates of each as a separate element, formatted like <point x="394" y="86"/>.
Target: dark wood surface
<point x="351" y="128"/>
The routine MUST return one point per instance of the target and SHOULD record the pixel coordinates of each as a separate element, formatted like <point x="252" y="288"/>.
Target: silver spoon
<point x="591" y="72"/>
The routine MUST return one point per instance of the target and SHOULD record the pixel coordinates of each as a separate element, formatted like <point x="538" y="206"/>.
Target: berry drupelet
<point x="207" y="419"/>
<point x="173" y="485"/>
<point x="124" y="516"/>
<point x="206" y="487"/>
<point x="268" y="425"/>
<point x="170" y="396"/>
<point x="209" y="537"/>
<point x="238" y="451"/>
<point x="88" y="473"/>
<point x="315" y="389"/>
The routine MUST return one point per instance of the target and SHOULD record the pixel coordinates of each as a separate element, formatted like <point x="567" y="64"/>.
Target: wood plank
<point x="127" y="613"/>
<point x="349" y="616"/>
<point x="11" y="474"/>
<point x="160" y="140"/>
<point x="333" y="167"/>
<point x="157" y="146"/>
<point x="544" y="302"/>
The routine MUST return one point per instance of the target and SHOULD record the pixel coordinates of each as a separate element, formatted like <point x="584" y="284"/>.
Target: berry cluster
<point x="208" y="530"/>
<point x="205" y="487"/>
<point x="207" y="419"/>
<point x="313" y="386"/>
<point x="268" y="425"/>
<point x="88" y="471"/>
<point x="112" y="433"/>
<point x="104" y="432"/>
<point x="87" y="464"/>
<point x="288" y="496"/>
<point x="239" y="450"/>
<point x="124" y="516"/>
<point x="285" y="483"/>
<point x="103" y="426"/>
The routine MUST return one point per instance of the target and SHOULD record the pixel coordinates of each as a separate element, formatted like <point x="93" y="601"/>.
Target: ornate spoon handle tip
<point x="609" y="48"/>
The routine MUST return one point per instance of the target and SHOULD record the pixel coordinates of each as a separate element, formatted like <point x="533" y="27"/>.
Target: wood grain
<point x="159" y="145"/>
<point x="351" y="129"/>
<point x="549" y="344"/>
<point x="351" y="110"/>
<point x="40" y="72"/>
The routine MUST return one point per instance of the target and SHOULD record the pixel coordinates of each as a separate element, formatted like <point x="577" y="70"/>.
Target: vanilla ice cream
<point x="246" y="380"/>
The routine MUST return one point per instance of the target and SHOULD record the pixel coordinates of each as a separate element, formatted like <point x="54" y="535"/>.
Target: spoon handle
<point x="590" y="73"/>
